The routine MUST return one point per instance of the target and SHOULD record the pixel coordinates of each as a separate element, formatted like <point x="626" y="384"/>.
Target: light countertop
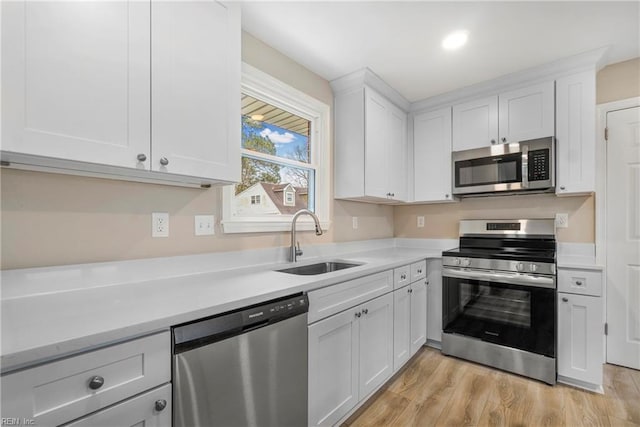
<point x="45" y="326"/>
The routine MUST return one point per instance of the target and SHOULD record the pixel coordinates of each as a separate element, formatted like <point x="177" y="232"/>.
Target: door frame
<point x="601" y="192"/>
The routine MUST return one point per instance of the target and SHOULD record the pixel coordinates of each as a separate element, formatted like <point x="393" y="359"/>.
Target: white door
<point x="475" y="124"/>
<point x="580" y="337"/>
<point x="418" y="315"/>
<point x="527" y="113"/>
<point x="376" y="343"/>
<point x="432" y="156"/>
<point x="623" y="237"/>
<point x="376" y="165"/>
<point x="401" y="327"/>
<point x="397" y="153"/>
<point x="75" y="80"/>
<point x="333" y="367"/>
<point x="196" y="89"/>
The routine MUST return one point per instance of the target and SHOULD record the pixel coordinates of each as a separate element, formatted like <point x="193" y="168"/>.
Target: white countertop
<point x="42" y="326"/>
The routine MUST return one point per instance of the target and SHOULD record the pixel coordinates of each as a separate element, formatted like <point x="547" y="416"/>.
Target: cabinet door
<point x="434" y="300"/>
<point x="527" y="113"/>
<point x="432" y="156"/>
<point x="75" y="80"/>
<point x="580" y="341"/>
<point x="333" y="367"/>
<point x="397" y="153"/>
<point x="418" y="315"/>
<point x="377" y="162"/>
<point x="475" y="124"/>
<point x="376" y="343"/>
<point x="401" y="327"/>
<point x="150" y="409"/>
<point x="575" y="133"/>
<point x="196" y="89"/>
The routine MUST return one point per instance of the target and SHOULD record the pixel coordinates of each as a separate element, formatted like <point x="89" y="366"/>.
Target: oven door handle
<point x="508" y="278"/>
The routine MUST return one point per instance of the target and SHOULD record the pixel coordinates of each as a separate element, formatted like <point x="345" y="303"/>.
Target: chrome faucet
<point x="295" y="250"/>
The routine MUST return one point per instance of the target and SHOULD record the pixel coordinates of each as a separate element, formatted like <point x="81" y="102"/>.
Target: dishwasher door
<point x="255" y="377"/>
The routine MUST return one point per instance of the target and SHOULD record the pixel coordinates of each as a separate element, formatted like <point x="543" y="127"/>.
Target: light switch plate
<point x="204" y="225"/>
<point x="354" y="222"/>
<point x="562" y="220"/>
<point x="420" y="222"/>
<point x="159" y="224"/>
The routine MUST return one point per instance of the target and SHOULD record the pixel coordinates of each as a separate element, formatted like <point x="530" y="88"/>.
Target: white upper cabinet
<point x="195" y="89"/>
<point x="526" y="113"/>
<point x="370" y="144"/>
<point x="475" y="123"/>
<point x="518" y="115"/>
<point x="432" y="156"/>
<point x="124" y="89"/>
<point x="575" y="133"/>
<point x="75" y="80"/>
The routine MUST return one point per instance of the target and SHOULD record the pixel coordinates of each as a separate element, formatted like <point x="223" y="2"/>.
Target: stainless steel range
<point x="499" y="296"/>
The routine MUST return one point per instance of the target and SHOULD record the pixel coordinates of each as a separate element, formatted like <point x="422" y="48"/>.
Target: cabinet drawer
<point x="418" y="270"/>
<point x="334" y="299"/>
<point x="401" y="276"/>
<point x="577" y="281"/>
<point x="58" y="392"/>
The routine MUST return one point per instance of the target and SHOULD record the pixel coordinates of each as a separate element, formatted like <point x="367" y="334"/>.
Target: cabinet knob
<point x="358" y="314"/>
<point x="410" y="290"/>
<point x="160" y="404"/>
<point x="142" y="157"/>
<point x="365" y="311"/>
<point x="96" y="382"/>
<point x="562" y="187"/>
<point x="579" y="282"/>
<point x="402" y="277"/>
<point x="420" y="271"/>
<point x="493" y="141"/>
<point x="504" y="139"/>
<point x="426" y="282"/>
<point x="565" y="299"/>
<point x="164" y="161"/>
<point x="446" y="196"/>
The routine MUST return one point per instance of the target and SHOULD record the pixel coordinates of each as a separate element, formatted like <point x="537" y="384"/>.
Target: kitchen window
<point x="285" y="164"/>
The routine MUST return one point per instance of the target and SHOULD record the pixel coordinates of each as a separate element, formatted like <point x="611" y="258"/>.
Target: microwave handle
<point x="525" y="165"/>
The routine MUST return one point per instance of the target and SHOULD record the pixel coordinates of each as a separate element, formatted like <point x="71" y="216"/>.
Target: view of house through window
<point x="277" y="169"/>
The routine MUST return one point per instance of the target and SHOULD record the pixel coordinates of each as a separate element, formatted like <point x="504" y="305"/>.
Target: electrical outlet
<point x="159" y="224"/>
<point x="420" y="222"/>
<point x="562" y="220"/>
<point x="354" y="222"/>
<point x="204" y="225"/>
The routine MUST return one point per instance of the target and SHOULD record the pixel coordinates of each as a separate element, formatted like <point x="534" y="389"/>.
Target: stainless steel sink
<point x="319" y="268"/>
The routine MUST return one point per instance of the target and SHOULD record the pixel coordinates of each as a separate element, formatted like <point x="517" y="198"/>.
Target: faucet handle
<point x="298" y="250"/>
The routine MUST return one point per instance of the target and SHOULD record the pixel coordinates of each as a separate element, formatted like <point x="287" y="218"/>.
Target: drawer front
<point x="418" y="270"/>
<point x="151" y="409"/>
<point x="401" y="276"/>
<point x="336" y="298"/>
<point x="58" y="392"/>
<point x="583" y="282"/>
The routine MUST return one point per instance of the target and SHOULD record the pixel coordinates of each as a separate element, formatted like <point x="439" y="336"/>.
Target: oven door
<point x="512" y="315"/>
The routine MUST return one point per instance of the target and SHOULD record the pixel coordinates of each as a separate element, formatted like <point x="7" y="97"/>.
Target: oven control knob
<point x="466" y="262"/>
<point x="519" y="266"/>
<point x="457" y="261"/>
<point x="533" y="268"/>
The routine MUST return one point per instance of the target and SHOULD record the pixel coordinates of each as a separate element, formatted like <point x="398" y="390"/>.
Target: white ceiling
<point x="400" y="41"/>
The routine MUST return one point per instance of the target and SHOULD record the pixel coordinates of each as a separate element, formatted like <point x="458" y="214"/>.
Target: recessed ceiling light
<point x="257" y="117"/>
<point x="455" y="40"/>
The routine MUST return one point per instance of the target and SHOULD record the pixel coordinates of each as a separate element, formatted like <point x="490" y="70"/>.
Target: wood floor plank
<point x="467" y="402"/>
<point x="389" y="406"/>
<point x="621" y="394"/>
<point x="411" y="382"/>
<point x="507" y="403"/>
<point x="585" y="408"/>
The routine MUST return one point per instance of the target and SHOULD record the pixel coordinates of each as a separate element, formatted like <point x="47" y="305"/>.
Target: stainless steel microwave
<point x="507" y="168"/>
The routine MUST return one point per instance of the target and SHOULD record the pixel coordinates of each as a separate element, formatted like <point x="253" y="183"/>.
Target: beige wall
<point x="618" y="81"/>
<point x="441" y="220"/>
<point x="51" y="219"/>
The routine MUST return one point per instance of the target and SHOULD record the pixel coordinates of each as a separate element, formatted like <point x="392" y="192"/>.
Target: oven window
<point x="500" y="305"/>
<point x="489" y="170"/>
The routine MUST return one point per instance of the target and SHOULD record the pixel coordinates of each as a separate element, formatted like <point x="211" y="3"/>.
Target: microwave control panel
<point x="539" y="165"/>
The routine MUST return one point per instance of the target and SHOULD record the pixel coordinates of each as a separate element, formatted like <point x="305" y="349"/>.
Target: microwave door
<point x="495" y="173"/>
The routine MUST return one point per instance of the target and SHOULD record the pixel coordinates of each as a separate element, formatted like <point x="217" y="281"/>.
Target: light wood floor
<point x="439" y="390"/>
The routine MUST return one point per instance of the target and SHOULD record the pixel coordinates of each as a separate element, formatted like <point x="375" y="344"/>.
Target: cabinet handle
<point x="579" y="282"/>
<point x="493" y="141"/>
<point x="565" y="299"/>
<point x="164" y="161"/>
<point x="504" y="139"/>
<point x="562" y="187"/>
<point x="96" y="382"/>
<point x="358" y="314"/>
<point x="365" y="311"/>
<point x="160" y="405"/>
<point x="420" y="271"/>
<point x="410" y="290"/>
<point x="402" y="277"/>
<point x="142" y="157"/>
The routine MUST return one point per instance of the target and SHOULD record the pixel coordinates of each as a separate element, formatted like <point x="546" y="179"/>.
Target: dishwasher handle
<point x="202" y="332"/>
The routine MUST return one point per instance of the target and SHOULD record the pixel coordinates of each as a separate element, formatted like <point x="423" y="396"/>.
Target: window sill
<point x="269" y="226"/>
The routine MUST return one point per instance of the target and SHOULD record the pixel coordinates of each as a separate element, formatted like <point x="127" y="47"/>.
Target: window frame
<point x="262" y="86"/>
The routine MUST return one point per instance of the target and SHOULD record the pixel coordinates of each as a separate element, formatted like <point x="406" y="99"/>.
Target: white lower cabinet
<point x="434" y="300"/>
<point x="350" y="355"/>
<point x="409" y="322"/>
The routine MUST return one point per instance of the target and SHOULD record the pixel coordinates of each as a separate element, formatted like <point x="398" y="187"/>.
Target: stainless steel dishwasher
<point x="243" y="368"/>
